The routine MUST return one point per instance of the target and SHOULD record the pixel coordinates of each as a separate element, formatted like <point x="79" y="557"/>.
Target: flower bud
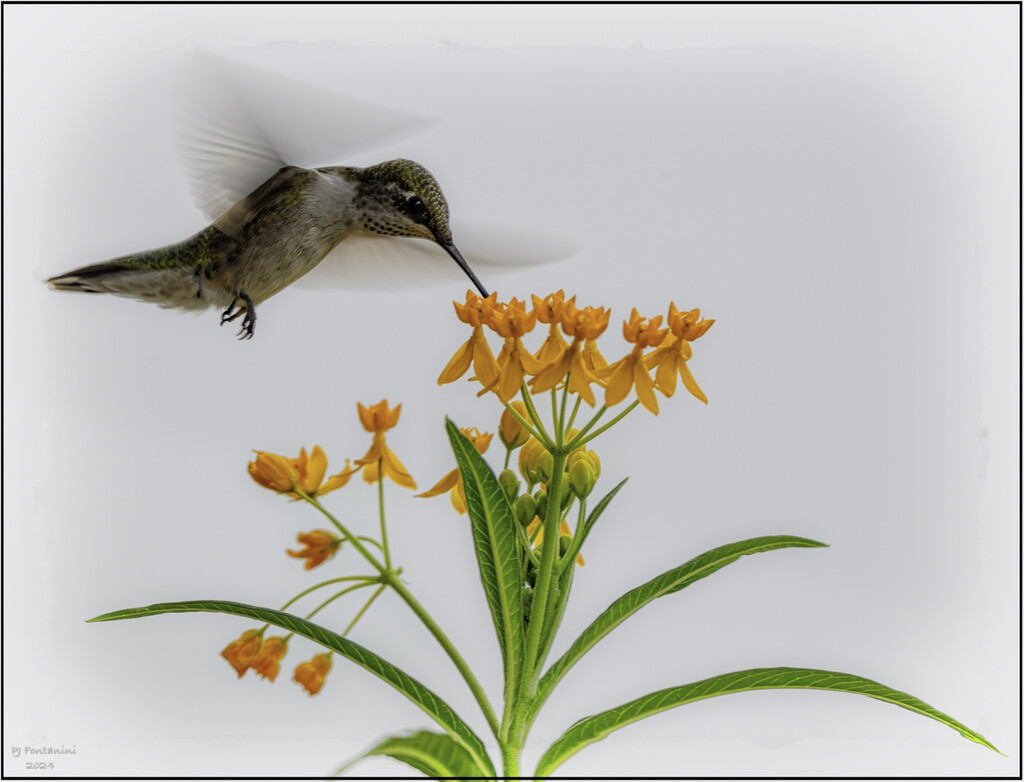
<point x="582" y="478"/>
<point x="528" y="457"/>
<point x="544" y="465"/>
<point x="510" y="431"/>
<point x="542" y="503"/>
<point x="509" y="484"/>
<point x="525" y="509"/>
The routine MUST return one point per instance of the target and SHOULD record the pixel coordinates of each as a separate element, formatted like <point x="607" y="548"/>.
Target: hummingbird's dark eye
<point x="415" y="208"/>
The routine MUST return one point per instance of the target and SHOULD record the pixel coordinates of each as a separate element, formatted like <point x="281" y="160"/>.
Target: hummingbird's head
<point x="401" y="198"/>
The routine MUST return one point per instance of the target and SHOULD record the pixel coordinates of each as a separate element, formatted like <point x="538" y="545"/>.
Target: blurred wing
<point x="236" y="125"/>
<point x="378" y="263"/>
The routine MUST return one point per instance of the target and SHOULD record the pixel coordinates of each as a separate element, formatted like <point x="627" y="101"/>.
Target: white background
<point x="837" y="186"/>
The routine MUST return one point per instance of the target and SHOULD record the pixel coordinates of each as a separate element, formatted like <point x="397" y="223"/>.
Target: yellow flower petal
<point x="395" y="470"/>
<point x="457" y="365"/>
<point x="690" y="382"/>
<point x="447" y="483"/>
<point x="620" y="381"/>
<point x="644" y="387"/>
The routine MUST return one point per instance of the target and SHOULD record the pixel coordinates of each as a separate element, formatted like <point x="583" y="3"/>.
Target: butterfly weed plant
<point x="529" y="526"/>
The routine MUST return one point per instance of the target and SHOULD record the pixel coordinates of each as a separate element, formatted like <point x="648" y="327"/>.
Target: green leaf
<point x="434" y="754"/>
<point x="665" y="584"/>
<point x="494" y="534"/>
<point x="595" y="514"/>
<point x="595" y="728"/>
<point x="423" y="697"/>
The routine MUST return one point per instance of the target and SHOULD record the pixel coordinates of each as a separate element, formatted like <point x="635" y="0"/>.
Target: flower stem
<point x="335" y="596"/>
<point x="322" y="584"/>
<point x="344" y="531"/>
<point x="390" y="578"/>
<point x="364" y="609"/>
<point x="395" y="583"/>
<point x="544" y="437"/>
<point x="582" y="438"/>
<point x="545" y="585"/>
<point x="383" y="524"/>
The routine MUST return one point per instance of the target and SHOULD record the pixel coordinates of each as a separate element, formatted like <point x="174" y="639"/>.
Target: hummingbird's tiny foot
<point x="229" y="314"/>
<point x="249" y="321"/>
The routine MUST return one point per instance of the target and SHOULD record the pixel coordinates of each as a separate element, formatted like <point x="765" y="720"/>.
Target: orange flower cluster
<point x="264" y="656"/>
<point x="579" y="362"/>
<point x="305" y="475"/>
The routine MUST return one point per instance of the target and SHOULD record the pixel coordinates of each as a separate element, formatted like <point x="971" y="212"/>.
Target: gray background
<point x="837" y="186"/>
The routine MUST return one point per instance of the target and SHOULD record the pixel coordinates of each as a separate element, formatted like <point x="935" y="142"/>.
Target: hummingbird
<point x="274" y="236"/>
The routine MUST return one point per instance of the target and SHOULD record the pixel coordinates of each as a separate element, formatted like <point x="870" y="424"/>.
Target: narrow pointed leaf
<point x="665" y="584"/>
<point x="595" y="514"/>
<point x="494" y="535"/>
<point x="423" y="697"/>
<point x="595" y="728"/>
<point x="433" y="754"/>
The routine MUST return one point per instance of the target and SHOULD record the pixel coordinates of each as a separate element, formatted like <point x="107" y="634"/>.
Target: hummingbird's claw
<point x="248" y="322"/>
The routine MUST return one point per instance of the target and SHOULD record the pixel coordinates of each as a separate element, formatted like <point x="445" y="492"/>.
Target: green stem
<point x="510" y="760"/>
<point x="555" y="422"/>
<point x="322" y="584"/>
<point x="364" y="609"/>
<point x="582" y="438"/>
<point x="563" y="428"/>
<point x="583" y="432"/>
<point x="391" y="579"/>
<point x="334" y="597"/>
<point x="344" y="531"/>
<point x="478" y="692"/>
<point x="544" y="586"/>
<point x="575" y="409"/>
<point x="544" y="437"/>
<point x="383" y="524"/>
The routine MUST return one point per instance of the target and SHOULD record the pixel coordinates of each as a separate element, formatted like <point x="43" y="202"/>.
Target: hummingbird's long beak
<point x="453" y="251"/>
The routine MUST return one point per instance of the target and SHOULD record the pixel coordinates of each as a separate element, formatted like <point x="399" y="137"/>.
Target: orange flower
<point x="549" y="310"/>
<point x="675" y="351"/>
<point x="379" y="459"/>
<point x="512" y="321"/>
<point x="631" y="371"/>
<point x="305" y="473"/>
<point x="583" y="325"/>
<point x="243" y="650"/>
<point x="475" y="351"/>
<point x="268" y="662"/>
<point x="453" y="481"/>
<point x="311" y="674"/>
<point x="319" y="544"/>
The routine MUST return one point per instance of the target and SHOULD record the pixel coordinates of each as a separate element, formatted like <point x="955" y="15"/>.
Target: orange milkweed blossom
<point x="475" y="351"/>
<point x="311" y="674"/>
<point x="549" y="310"/>
<point x="453" y="481"/>
<point x="630" y="370"/>
<point x="243" y="650"/>
<point x="512" y="321"/>
<point x="583" y="326"/>
<point x="306" y="473"/>
<point x="675" y="351"/>
<point x="268" y="662"/>
<point x="320" y="545"/>
<point x="380" y="461"/>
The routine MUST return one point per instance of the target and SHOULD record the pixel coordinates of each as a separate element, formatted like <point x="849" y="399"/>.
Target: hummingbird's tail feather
<point x="180" y="288"/>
